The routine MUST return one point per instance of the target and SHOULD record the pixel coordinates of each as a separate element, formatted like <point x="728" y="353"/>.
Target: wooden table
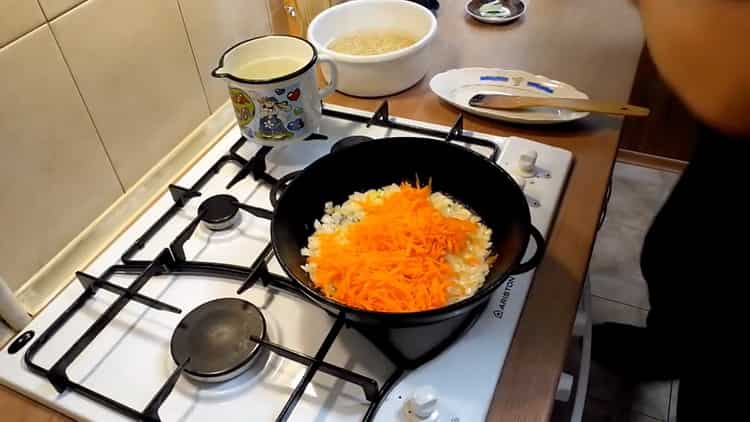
<point x="594" y="46"/>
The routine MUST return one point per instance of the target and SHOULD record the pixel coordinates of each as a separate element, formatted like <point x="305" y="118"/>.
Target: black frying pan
<point x="462" y="174"/>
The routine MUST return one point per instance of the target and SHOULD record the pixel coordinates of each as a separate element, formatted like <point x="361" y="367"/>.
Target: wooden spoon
<point x="514" y="102"/>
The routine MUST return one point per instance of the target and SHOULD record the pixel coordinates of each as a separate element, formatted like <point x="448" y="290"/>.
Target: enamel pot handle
<point x="334" y="75"/>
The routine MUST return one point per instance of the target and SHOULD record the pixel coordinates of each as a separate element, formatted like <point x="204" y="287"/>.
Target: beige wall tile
<point x="215" y="25"/>
<point x="135" y="70"/>
<point x="54" y="174"/>
<point x="54" y="8"/>
<point x="18" y="17"/>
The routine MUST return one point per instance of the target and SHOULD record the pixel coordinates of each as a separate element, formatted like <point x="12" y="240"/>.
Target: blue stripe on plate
<point x="494" y="78"/>
<point x="541" y="87"/>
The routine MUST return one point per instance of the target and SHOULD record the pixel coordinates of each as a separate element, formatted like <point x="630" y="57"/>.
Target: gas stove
<point x="127" y="340"/>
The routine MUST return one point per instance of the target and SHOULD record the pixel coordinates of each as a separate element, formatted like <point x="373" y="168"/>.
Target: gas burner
<point x="220" y="212"/>
<point x="215" y="336"/>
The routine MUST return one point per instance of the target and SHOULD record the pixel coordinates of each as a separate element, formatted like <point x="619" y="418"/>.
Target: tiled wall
<point x="92" y="94"/>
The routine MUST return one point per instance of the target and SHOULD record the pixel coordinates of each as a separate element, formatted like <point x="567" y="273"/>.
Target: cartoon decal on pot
<point x="296" y="124"/>
<point x="244" y="108"/>
<point x="279" y="112"/>
<point x="270" y="125"/>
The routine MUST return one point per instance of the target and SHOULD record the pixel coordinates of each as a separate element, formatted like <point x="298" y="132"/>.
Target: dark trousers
<point x="695" y="259"/>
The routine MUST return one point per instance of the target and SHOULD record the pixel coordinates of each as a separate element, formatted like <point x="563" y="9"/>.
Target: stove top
<point x="104" y="349"/>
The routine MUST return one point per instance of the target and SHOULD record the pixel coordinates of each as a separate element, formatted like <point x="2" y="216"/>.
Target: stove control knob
<point x="424" y="404"/>
<point x="527" y="163"/>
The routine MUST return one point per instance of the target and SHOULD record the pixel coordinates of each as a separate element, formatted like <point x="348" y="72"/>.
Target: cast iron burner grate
<point x="222" y="210"/>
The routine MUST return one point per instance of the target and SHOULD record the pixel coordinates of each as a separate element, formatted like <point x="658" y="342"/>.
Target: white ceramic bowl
<point x="381" y="74"/>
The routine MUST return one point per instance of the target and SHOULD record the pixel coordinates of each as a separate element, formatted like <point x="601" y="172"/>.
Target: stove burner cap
<point x="216" y="338"/>
<point x="220" y="212"/>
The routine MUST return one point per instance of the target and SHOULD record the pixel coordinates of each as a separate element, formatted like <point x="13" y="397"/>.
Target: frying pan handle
<point x="538" y="254"/>
<point x="278" y="189"/>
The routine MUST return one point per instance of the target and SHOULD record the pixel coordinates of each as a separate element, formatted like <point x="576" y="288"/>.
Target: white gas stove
<point x="123" y="369"/>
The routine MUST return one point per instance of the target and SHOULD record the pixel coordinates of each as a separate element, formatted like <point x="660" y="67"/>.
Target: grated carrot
<point x="394" y="258"/>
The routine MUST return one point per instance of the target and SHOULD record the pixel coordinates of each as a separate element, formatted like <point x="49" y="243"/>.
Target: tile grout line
<point x="88" y="109"/>
<point x="646" y="415"/>
<point x="195" y="59"/>
<point x="25" y="33"/>
<point x="30" y="30"/>
<point x="619" y="302"/>
<point x="46" y="18"/>
<point x="64" y="12"/>
<point x="669" y="401"/>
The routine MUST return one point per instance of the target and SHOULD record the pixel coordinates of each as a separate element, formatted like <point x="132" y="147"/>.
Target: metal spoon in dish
<point x="495" y="11"/>
<point x="514" y="102"/>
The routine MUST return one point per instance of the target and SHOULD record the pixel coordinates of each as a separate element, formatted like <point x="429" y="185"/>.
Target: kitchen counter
<point x="594" y="46"/>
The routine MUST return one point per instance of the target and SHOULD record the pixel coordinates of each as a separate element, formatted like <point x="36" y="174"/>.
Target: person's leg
<point x="689" y="404"/>
<point x="670" y="266"/>
<point x="649" y="353"/>
<point x="692" y="261"/>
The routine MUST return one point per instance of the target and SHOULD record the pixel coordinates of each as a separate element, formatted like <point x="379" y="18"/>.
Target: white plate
<point x="457" y="86"/>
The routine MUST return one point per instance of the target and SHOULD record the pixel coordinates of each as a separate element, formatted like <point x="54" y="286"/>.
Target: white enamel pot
<point x="284" y="108"/>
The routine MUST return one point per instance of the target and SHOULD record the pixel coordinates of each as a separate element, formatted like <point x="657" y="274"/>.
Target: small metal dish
<point x="495" y="11"/>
